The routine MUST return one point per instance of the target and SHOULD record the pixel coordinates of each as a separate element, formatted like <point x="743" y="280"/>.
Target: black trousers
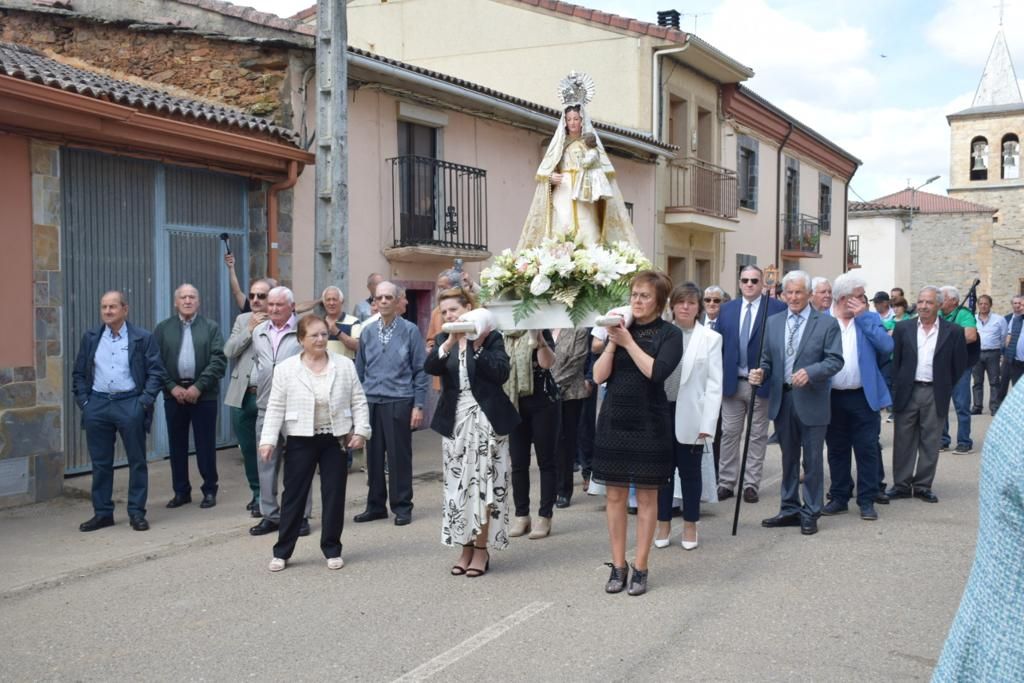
<point x="202" y="418"/>
<point x="302" y="455"/>
<point x="1009" y="376"/>
<point x="585" y="435"/>
<point x="988" y="364"/>
<point x="539" y="428"/>
<point x="568" y="443"/>
<point x="392" y="439"/>
<point x="688" y="459"/>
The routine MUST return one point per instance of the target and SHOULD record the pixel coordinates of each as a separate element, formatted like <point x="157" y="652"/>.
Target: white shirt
<point x="925" y="351"/>
<point x="849" y="376"/>
<point x="755" y="306"/>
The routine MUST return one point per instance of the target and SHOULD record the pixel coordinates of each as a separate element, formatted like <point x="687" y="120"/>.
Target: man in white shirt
<point x="929" y="355"/>
<point x="992" y="331"/>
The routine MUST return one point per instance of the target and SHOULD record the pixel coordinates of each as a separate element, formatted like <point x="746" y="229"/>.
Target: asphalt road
<point x="192" y="598"/>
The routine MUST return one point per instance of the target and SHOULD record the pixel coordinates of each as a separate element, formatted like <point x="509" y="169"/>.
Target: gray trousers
<point x="915" y="448"/>
<point x="269" y="473"/>
<point x="988" y="364"/>
<point x="734" y="419"/>
<point x="797" y="439"/>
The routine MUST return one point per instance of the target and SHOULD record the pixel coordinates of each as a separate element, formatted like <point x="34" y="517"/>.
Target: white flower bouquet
<point x="584" y="279"/>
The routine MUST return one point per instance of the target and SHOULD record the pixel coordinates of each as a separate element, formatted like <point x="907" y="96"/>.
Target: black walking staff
<point x="763" y="306"/>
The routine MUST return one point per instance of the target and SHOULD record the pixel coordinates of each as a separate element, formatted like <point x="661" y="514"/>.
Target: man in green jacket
<point x="192" y="350"/>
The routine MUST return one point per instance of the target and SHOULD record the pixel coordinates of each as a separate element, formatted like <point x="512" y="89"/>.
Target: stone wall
<point x="1006" y="245"/>
<point x="31" y="398"/>
<point x="242" y="76"/>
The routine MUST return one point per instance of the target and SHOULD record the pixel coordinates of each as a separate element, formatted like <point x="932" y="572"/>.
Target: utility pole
<point x="331" y="265"/>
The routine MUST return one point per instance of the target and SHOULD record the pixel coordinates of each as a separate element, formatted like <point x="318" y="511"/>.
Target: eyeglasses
<point x="384" y="297"/>
<point x="709" y="300"/>
<point x="257" y="295"/>
<point x="749" y="280"/>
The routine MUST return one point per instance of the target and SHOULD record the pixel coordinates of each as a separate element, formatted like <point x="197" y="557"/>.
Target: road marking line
<point x="473" y="643"/>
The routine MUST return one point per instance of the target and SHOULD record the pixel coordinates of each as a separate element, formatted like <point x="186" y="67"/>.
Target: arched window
<point x="1011" y="156"/>
<point x="979" y="158"/>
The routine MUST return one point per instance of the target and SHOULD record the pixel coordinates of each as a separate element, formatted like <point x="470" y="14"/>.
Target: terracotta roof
<point x="874" y="207"/>
<point x="27" y="64"/>
<point x="926" y="202"/>
<point x="303" y="15"/>
<point x="614" y="20"/>
<point x="251" y="15"/>
<point x="475" y="87"/>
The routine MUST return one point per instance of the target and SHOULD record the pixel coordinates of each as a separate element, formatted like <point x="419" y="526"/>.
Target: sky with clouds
<point x="877" y="77"/>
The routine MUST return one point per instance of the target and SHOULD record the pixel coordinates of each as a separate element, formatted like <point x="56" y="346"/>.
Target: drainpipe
<point x="293" y="177"/>
<point x="656" y="87"/>
<point x="778" y="201"/>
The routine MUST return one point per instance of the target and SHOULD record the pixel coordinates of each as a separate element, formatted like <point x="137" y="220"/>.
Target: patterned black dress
<point x="634" y="440"/>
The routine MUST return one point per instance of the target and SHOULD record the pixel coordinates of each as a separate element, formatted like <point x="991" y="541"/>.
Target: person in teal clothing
<point x="984" y="642"/>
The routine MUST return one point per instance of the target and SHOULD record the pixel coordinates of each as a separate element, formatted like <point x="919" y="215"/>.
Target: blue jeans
<point x="103" y="419"/>
<point x="854" y="427"/>
<point x="962" y="405"/>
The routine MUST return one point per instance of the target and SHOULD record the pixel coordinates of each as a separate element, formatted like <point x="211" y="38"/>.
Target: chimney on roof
<point x="669" y="18"/>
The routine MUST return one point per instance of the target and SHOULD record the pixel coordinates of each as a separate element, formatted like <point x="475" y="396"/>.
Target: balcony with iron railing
<point x="801" y="235"/>
<point x="699" y="187"/>
<point x="439" y="210"/>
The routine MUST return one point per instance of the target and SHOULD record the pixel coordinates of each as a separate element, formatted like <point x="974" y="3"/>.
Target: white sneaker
<point x="335" y="563"/>
<point x="276" y="564"/>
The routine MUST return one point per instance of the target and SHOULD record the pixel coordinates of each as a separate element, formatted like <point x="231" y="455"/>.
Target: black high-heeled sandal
<point x="473" y="572"/>
<point x="458" y="569"/>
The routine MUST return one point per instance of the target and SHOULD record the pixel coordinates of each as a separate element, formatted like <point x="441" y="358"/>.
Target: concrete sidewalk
<point x="43" y="547"/>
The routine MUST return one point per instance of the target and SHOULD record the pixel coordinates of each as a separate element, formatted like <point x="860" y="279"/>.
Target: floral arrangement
<point x="583" y="278"/>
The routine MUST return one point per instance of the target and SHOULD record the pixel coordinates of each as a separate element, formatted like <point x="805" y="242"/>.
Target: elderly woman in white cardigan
<point x="318" y="404"/>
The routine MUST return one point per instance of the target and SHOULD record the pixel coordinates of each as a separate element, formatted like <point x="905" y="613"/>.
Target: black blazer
<point x="948" y="366"/>
<point x="488" y="370"/>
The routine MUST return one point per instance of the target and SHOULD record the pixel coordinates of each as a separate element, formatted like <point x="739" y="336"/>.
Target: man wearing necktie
<point x="192" y="350"/>
<point x="739" y="323"/>
<point x="802" y="351"/>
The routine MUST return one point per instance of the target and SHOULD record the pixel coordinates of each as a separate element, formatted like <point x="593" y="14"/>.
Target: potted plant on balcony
<point x="810" y="241"/>
<point x="560" y="281"/>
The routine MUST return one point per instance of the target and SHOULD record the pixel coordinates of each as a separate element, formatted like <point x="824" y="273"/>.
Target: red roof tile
<point x="926" y="202"/>
<point x="673" y="35"/>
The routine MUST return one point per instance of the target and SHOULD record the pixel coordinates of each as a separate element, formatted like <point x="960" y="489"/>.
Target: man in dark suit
<point x="739" y="323"/>
<point x="1013" y="349"/>
<point x="192" y="350"/>
<point x="802" y="351"/>
<point x="859" y="392"/>
<point x="929" y="356"/>
<point x="117" y="377"/>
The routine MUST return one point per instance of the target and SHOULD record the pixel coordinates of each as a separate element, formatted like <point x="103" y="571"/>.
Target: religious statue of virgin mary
<point x="577" y="194"/>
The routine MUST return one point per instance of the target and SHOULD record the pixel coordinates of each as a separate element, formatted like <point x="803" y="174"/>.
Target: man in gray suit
<point x="803" y="349"/>
<point x="274" y="340"/>
<point x="241" y="394"/>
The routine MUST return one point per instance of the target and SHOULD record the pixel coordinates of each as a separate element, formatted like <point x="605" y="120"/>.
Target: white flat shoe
<point x="276" y="564"/>
<point x="335" y="563"/>
<point x="662" y="542"/>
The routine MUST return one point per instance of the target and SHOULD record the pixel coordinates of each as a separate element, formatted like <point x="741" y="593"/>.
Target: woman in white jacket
<point x="696" y="388"/>
<point x="317" y="403"/>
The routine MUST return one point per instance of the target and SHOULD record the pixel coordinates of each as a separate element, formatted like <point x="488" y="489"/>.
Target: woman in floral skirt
<point x="475" y="417"/>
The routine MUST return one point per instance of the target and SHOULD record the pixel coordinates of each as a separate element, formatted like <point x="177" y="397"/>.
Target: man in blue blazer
<point x="802" y="351"/>
<point x="739" y="323"/>
<point x="117" y="377"/>
<point x="858" y="394"/>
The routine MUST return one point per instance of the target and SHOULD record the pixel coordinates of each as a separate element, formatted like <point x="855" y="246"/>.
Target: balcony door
<point x="418" y="180"/>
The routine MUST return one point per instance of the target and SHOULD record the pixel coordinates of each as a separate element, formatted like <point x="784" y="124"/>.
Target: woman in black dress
<point x="634" y="440"/>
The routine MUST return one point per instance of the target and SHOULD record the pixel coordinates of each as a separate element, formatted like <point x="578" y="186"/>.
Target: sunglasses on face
<point x="257" y="295"/>
<point x="749" y="280"/>
<point x="709" y="300"/>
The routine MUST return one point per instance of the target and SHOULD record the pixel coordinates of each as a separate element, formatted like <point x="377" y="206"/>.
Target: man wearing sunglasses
<point x="390" y="365"/>
<point x="241" y="394"/>
<point x="739" y="323"/>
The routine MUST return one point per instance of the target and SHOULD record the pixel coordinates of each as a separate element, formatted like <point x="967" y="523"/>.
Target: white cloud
<point x="963" y="30"/>
<point x="812" y="64"/>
